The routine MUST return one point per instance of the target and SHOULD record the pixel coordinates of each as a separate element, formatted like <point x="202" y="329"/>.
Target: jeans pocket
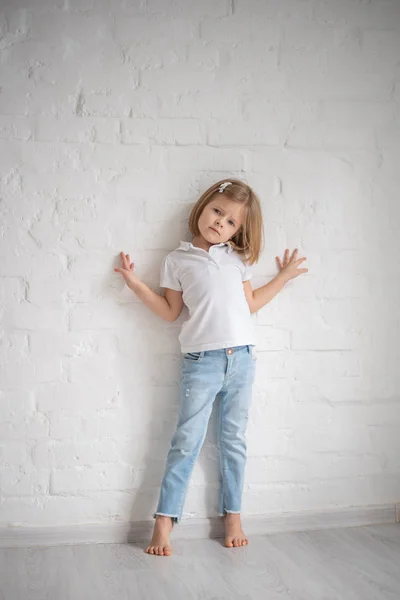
<point x="192" y="356"/>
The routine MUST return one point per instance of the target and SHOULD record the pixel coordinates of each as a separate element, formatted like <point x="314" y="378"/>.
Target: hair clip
<point x="223" y="186"/>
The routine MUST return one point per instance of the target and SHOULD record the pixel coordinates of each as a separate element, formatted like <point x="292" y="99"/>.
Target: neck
<point x="200" y="242"/>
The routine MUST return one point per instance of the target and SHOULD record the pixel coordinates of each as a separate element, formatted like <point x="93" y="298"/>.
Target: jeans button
<point x="230" y="351"/>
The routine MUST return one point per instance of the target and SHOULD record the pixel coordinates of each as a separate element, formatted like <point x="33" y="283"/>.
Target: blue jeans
<point x="226" y="374"/>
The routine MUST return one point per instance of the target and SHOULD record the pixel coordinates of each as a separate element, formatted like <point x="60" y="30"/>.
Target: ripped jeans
<point x="226" y="374"/>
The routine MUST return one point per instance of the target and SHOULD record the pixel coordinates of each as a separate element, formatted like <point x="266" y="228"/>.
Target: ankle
<point x="163" y="520"/>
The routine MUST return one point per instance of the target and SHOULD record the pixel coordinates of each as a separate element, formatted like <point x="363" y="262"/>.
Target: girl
<point x="211" y="276"/>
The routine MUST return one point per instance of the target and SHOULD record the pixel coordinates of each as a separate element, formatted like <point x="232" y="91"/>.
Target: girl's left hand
<point x="289" y="266"/>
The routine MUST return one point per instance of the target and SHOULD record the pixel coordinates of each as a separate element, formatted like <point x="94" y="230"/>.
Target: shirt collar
<point x="189" y="246"/>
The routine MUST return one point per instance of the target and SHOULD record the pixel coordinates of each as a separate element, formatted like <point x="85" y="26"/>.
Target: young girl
<point x="211" y="276"/>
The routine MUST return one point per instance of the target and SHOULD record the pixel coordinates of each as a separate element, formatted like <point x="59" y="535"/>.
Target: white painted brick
<point x="15" y="401"/>
<point x="86" y="371"/>
<point x="247" y="133"/>
<point x="77" y="453"/>
<point x="100" y="317"/>
<point x="183" y="79"/>
<point x="73" y="343"/>
<point x="329" y="364"/>
<point x="19" y="371"/>
<point x="65" y="425"/>
<point x="13" y="346"/>
<point x="285" y="111"/>
<point x="325" y="136"/>
<point x="18" y="128"/>
<point x="12" y="452"/>
<point x="145" y="103"/>
<point x="53" y="24"/>
<point x="12" y="290"/>
<point x="19" y="482"/>
<point x="205" y="159"/>
<point x="278" y="11"/>
<point x="321" y="337"/>
<point x="48" y="369"/>
<point x="340" y="84"/>
<point x="306" y="34"/>
<point x="202" y="54"/>
<point x="281" y="497"/>
<point x="179" y="132"/>
<point x="76" y="129"/>
<point x="268" y="441"/>
<point x="299" y="99"/>
<point x="272" y="338"/>
<point x="359" y="114"/>
<point x="101" y="7"/>
<point x="13" y="99"/>
<point x="89" y="479"/>
<point x="57" y="396"/>
<point x="178" y="8"/>
<point x="31" y="428"/>
<point x="285" y="469"/>
<point x="145" y="30"/>
<point x="384" y="14"/>
<point x="236" y="28"/>
<point x="121" y="158"/>
<point x="204" y="104"/>
<point x="277" y="363"/>
<point x="101" y="105"/>
<point x="30" y="317"/>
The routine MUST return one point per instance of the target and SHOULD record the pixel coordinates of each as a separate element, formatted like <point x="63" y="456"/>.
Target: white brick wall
<point x="114" y="116"/>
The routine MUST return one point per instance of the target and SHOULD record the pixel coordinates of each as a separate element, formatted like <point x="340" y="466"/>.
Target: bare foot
<point x="159" y="544"/>
<point x="234" y="535"/>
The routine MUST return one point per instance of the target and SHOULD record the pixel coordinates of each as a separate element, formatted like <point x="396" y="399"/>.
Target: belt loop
<point x="202" y="353"/>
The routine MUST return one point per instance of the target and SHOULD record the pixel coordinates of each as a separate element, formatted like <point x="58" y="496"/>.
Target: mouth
<point x="214" y="230"/>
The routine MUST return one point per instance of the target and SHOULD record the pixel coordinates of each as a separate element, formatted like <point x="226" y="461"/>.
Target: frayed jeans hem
<point x="229" y="512"/>
<point x="174" y="518"/>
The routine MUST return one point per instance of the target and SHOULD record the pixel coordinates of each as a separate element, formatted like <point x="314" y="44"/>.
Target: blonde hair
<point x="248" y="240"/>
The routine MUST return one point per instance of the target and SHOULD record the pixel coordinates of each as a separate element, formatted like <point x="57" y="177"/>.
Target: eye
<point x="232" y="223"/>
<point x="217" y="211"/>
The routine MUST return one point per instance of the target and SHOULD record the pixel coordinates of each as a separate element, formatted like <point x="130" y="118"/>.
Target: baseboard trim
<point x="116" y="532"/>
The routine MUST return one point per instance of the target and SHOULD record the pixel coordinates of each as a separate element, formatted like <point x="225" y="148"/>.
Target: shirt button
<point x="230" y="351"/>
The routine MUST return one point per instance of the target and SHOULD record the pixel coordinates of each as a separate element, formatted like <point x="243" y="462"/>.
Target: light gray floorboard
<point x="358" y="563"/>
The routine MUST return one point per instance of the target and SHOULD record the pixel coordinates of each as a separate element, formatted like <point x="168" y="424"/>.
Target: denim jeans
<point x="226" y="374"/>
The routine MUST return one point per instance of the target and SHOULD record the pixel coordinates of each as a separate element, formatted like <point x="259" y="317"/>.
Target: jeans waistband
<point x="229" y="351"/>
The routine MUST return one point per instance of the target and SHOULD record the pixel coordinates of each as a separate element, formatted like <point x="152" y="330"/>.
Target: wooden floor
<point x="360" y="563"/>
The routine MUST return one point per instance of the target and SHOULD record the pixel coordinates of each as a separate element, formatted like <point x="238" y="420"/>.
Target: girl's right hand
<point x="127" y="271"/>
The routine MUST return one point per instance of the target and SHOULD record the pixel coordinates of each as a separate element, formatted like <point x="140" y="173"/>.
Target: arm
<point x="167" y="307"/>
<point x="258" y="298"/>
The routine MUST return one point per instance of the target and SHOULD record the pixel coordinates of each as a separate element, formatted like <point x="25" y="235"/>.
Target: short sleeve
<point x="246" y="272"/>
<point x="168" y="276"/>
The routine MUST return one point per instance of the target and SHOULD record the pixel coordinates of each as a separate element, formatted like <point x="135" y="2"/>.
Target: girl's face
<point x="220" y="220"/>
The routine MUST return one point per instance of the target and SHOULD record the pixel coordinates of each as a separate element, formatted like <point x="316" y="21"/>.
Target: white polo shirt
<point x="212" y="286"/>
